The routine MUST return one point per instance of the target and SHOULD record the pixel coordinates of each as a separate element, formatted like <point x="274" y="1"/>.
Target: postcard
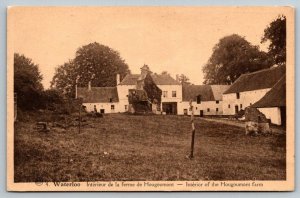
<point x="137" y="98"/>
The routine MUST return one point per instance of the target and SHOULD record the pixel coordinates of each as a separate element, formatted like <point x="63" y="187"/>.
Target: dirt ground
<point x="136" y="147"/>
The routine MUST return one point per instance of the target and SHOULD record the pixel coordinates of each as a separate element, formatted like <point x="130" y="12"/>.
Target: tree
<point x="27" y="82"/>
<point x="93" y="62"/>
<point x="183" y="79"/>
<point x="165" y="73"/>
<point x="64" y="78"/>
<point x="99" y="64"/>
<point x="275" y="33"/>
<point x="231" y="57"/>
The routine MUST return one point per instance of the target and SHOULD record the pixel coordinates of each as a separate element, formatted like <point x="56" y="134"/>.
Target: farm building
<point x="207" y="99"/>
<point x="171" y="89"/>
<point x="105" y="99"/>
<point x="250" y="88"/>
<point x="115" y="99"/>
<point x="273" y="104"/>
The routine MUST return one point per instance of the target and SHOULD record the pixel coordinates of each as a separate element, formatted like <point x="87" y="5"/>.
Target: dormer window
<point x="110" y="99"/>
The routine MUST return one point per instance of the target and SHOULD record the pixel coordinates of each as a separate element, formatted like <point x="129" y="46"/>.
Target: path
<point x="241" y="124"/>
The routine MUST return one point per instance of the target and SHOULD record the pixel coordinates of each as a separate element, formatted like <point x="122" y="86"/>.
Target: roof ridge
<point x="262" y="70"/>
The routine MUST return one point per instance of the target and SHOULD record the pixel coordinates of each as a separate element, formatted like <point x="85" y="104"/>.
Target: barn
<point x="207" y="99"/>
<point x="105" y="99"/>
<point x="273" y="104"/>
<point x="250" y="88"/>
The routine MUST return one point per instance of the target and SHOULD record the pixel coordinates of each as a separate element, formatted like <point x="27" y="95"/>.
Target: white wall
<point x="169" y="89"/>
<point x="123" y="96"/>
<point x="246" y="99"/>
<point x="272" y="113"/>
<point x="105" y="106"/>
<point x="204" y="105"/>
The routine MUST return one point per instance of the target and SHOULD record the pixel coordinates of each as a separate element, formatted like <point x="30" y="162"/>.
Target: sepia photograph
<point x="150" y="98"/>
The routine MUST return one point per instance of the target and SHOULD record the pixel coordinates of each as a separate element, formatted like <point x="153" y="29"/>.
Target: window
<point x="196" y="108"/>
<point x="208" y="110"/>
<point x="238" y="95"/>
<point x="199" y="99"/>
<point x="110" y="99"/>
<point x="217" y="109"/>
<point x="112" y="107"/>
<point x="229" y="106"/>
<point x="185" y="111"/>
<point x="165" y="94"/>
<point x="125" y="107"/>
<point x="217" y="101"/>
<point x="174" y="94"/>
<point x="241" y="106"/>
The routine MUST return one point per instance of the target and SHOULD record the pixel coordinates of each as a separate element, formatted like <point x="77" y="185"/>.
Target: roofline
<point x="246" y="91"/>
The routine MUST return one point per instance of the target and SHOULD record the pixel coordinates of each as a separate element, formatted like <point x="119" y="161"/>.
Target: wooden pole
<point x="80" y="118"/>
<point x="193" y="130"/>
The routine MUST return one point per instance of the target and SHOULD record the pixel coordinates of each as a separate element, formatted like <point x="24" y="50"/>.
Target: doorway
<point x="170" y="108"/>
<point x="236" y="107"/>
<point x="201" y="113"/>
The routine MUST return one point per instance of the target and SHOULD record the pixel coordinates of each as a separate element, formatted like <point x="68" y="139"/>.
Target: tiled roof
<point x="98" y="94"/>
<point x="130" y="79"/>
<point x="276" y="97"/>
<point x="262" y="79"/>
<point x="190" y="92"/>
<point x="218" y="90"/>
<point x="159" y="79"/>
<point x="164" y="79"/>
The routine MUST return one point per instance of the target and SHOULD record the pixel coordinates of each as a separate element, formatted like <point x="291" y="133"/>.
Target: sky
<point x="178" y="40"/>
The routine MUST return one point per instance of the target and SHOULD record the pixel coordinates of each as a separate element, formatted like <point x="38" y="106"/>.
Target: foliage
<point x="27" y="83"/>
<point x="183" y="79"/>
<point x="165" y="73"/>
<point x="93" y="62"/>
<point x="275" y="33"/>
<point x="100" y="64"/>
<point x="153" y="91"/>
<point x="64" y="78"/>
<point x="135" y="96"/>
<point x="51" y="98"/>
<point x="231" y="57"/>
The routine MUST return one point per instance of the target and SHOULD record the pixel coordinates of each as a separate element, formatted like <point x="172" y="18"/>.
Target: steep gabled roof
<point x="190" y="92"/>
<point x="98" y="94"/>
<point x="218" y="90"/>
<point x="130" y="79"/>
<point x="276" y="97"/>
<point x="262" y="79"/>
<point x="164" y="79"/>
<point x="159" y="79"/>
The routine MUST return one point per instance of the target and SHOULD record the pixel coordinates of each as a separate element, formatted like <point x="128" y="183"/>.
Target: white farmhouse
<point x="250" y="88"/>
<point x="104" y="99"/>
<point x="207" y="99"/>
<point x="273" y="104"/>
<point x="115" y="99"/>
<point x="171" y="90"/>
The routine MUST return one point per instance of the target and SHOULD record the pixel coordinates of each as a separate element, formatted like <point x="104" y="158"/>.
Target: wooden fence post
<point x="193" y="130"/>
<point x="79" y="118"/>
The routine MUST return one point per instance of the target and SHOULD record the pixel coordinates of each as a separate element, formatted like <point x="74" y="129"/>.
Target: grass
<point x="127" y="147"/>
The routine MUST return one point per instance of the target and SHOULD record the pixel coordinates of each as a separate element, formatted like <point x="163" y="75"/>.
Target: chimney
<point x="118" y="79"/>
<point x="177" y="77"/>
<point x="89" y="86"/>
